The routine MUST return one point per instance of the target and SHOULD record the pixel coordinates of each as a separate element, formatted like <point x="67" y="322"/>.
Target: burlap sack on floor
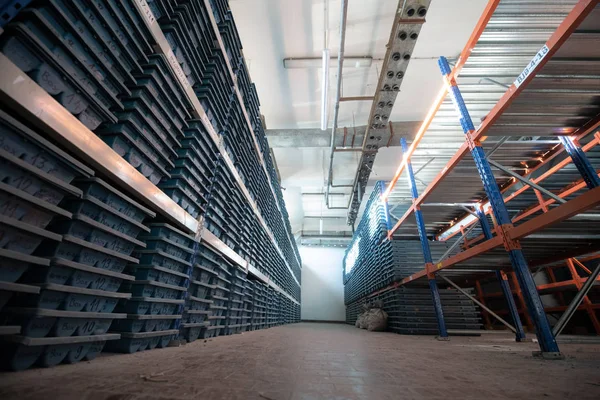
<point x="361" y="321"/>
<point x="376" y="320"/>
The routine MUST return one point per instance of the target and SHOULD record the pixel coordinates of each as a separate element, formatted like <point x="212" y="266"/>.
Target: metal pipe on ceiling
<point x="357" y="98"/>
<point x="325" y="68"/>
<point x="339" y="186"/>
<point x="347" y="149"/>
<point x="321" y="194"/>
<point x="323" y="217"/>
<point x="344" y="14"/>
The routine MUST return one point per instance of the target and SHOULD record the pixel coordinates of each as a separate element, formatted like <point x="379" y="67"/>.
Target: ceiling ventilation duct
<point x="404" y="35"/>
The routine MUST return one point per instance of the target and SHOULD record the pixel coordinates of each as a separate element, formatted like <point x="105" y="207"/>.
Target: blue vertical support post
<point x="583" y="164"/>
<point x="386" y="207"/>
<point x="510" y="301"/>
<point x="435" y="294"/>
<point x="546" y="340"/>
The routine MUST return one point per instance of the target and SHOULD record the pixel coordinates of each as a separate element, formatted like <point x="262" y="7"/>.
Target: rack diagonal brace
<point x="480" y="304"/>
<point x="526" y="181"/>
<point x="456" y="244"/>
<point x="564" y="319"/>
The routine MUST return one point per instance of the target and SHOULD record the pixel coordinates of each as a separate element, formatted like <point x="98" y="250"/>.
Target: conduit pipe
<point x="340" y="62"/>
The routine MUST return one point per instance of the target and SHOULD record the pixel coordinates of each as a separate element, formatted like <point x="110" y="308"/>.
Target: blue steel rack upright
<point x="581" y="161"/>
<point x="545" y="337"/>
<point x="503" y="280"/>
<point x="435" y="295"/>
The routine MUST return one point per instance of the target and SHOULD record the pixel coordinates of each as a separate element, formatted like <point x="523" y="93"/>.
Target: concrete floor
<point x="321" y="361"/>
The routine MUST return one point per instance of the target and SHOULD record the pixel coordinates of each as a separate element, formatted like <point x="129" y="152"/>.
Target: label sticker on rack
<point x="531" y="66"/>
<point x="146" y="12"/>
<point x="178" y="71"/>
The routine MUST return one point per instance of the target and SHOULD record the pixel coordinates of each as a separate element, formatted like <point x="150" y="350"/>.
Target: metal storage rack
<point x="34" y="101"/>
<point x="164" y="264"/>
<point x="565" y="277"/>
<point x="520" y="123"/>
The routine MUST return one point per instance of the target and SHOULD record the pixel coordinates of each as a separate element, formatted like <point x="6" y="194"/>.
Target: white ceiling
<point x="272" y="30"/>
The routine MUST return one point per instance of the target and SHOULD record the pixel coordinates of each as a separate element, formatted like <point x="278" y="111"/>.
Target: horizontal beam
<point x="561" y="286"/>
<point x="323" y="194"/>
<point x="353" y="150"/>
<point x="536" y="208"/>
<point x="316" y="62"/>
<point x="581" y="252"/>
<point x="560" y="165"/>
<point x="584" y="202"/>
<point x="38" y="107"/>
<point x="578" y="205"/>
<point x="216" y="243"/>
<point x="357" y="98"/>
<point x="324" y="217"/>
<point x="469" y="253"/>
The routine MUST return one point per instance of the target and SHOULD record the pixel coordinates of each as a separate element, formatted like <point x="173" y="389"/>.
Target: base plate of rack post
<point x="548" y="355"/>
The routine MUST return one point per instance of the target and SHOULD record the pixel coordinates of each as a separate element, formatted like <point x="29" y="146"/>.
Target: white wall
<point x="322" y="286"/>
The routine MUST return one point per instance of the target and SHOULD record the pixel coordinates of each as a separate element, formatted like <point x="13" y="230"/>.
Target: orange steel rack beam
<point x="580" y="204"/>
<point x="551" y="171"/>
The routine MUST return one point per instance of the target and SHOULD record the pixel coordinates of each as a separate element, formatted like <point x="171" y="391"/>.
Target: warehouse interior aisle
<point x="322" y="361"/>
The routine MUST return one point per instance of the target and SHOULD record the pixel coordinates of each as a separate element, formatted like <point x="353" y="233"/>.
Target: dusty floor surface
<point x="321" y="361"/>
